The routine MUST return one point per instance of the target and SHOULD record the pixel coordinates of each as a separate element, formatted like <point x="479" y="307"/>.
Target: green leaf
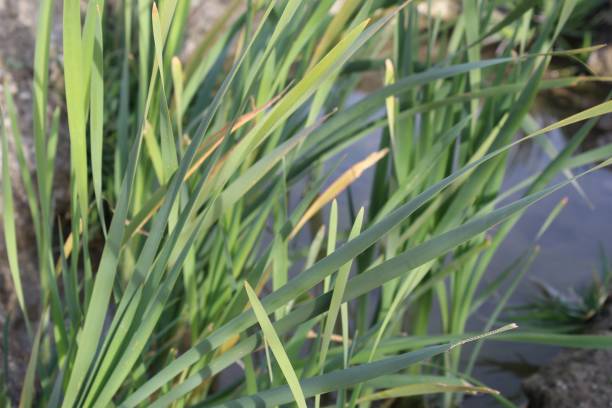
<point x="338" y="379"/>
<point x="277" y="347"/>
<point x="585" y="341"/>
<point x="75" y="97"/>
<point x="412" y="390"/>
<point x="337" y="295"/>
<point x="28" y="391"/>
<point x="96" y="110"/>
<point x="8" y="221"/>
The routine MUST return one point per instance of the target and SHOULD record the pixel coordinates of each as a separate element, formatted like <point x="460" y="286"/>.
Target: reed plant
<point x="217" y="253"/>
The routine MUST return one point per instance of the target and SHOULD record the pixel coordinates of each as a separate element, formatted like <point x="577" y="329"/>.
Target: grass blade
<point x="277" y="348"/>
<point x="8" y="221"/>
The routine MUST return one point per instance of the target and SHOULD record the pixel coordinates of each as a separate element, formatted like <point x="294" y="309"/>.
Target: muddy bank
<point x="575" y="378"/>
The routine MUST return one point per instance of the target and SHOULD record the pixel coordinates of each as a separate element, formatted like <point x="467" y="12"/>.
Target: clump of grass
<point x="572" y="311"/>
<point x="199" y="176"/>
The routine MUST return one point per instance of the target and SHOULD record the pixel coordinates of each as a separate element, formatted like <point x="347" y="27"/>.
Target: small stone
<point x="600" y="61"/>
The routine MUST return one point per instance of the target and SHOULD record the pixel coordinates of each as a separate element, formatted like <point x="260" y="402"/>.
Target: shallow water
<point x="570" y="253"/>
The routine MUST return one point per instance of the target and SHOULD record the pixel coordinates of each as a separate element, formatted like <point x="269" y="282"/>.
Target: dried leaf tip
<point x="389" y="64"/>
<point x="502" y="329"/>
